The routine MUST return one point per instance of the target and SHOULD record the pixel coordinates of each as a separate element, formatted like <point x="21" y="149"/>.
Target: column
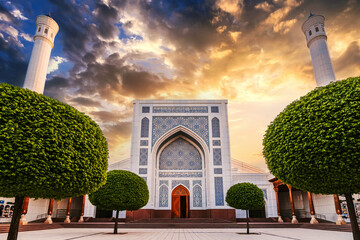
<point x="312" y="210"/>
<point x="82" y="210"/>
<point x="50" y="212"/>
<point x="293" y="220"/>
<point x="340" y="220"/>
<point x="278" y="204"/>
<point x="68" y="210"/>
<point x="24" y="211"/>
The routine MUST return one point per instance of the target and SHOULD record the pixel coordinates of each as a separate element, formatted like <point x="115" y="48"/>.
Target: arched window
<point x="39" y="29"/>
<point x="310" y="33"/>
<point x="145" y="127"/>
<point x="316" y="29"/>
<point x="46" y="30"/>
<point x="215" y="127"/>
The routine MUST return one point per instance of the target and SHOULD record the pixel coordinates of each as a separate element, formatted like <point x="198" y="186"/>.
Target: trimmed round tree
<point x="314" y="143"/>
<point x="123" y="190"/>
<point x="48" y="149"/>
<point x="245" y="196"/>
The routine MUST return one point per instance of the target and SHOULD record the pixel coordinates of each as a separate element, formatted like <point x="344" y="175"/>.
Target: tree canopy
<point x="48" y="148"/>
<point x="314" y="143"/>
<point x="123" y="190"/>
<point x="245" y="196"/>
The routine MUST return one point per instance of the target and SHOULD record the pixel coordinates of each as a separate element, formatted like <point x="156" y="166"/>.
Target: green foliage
<point x="123" y="190"/>
<point x="47" y="149"/>
<point x="245" y="196"/>
<point x="314" y="144"/>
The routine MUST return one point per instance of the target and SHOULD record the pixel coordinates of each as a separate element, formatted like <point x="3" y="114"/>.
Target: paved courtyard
<point x="181" y="234"/>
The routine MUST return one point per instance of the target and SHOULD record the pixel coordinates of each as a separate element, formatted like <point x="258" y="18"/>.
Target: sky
<point x="110" y="52"/>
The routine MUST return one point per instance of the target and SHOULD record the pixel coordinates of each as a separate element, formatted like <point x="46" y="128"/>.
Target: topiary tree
<point x="123" y="190"/>
<point x="48" y="150"/>
<point x="314" y="143"/>
<point x="245" y="196"/>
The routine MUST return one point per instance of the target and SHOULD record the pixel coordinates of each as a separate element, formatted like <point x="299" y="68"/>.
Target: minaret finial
<point x="49" y="14"/>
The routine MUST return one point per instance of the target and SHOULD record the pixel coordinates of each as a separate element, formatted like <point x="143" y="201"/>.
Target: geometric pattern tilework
<point x="163" y="196"/>
<point x="216" y="143"/>
<point x="142" y="170"/>
<point x="180" y="174"/>
<point x="217" y="156"/>
<point x="197" y="182"/>
<point x="180" y="109"/>
<point x="143" y="156"/>
<point x="145" y="109"/>
<point x="144" y="142"/>
<point x="217" y="170"/>
<point x="145" y="127"/>
<point x="174" y="183"/>
<point x="161" y="125"/>
<point x="219" y="195"/>
<point x="180" y="155"/>
<point x="215" y="127"/>
<point x="164" y="182"/>
<point x="197" y="196"/>
<point x="214" y="109"/>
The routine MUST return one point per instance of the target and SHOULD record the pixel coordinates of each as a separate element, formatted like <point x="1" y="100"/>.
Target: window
<point x="215" y="127"/>
<point x="39" y="29"/>
<point x="46" y="31"/>
<point x="52" y="35"/>
<point x="310" y="33"/>
<point x="214" y="109"/>
<point x="145" y="109"/>
<point x="316" y="29"/>
<point x="145" y="127"/>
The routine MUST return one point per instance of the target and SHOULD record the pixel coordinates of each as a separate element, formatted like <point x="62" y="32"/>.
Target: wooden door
<point x="176" y="204"/>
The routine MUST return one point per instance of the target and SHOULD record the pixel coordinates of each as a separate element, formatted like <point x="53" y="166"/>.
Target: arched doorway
<point x="180" y="202"/>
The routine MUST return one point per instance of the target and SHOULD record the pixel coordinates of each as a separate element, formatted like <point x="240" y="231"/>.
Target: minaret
<point x="46" y="30"/>
<point x="314" y="31"/>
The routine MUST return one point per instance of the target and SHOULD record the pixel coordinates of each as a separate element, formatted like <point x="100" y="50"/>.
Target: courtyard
<point x="181" y="234"/>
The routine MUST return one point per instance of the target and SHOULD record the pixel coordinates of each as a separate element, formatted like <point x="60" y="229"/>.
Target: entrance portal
<point x="180" y="202"/>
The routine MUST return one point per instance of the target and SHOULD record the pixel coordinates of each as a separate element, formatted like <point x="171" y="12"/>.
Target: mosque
<point x="181" y="148"/>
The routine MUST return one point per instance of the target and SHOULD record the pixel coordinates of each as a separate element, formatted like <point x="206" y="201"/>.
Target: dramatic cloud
<point x="250" y="52"/>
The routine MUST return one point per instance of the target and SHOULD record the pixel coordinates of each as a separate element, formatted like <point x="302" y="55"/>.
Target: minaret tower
<point x="46" y="30"/>
<point x="314" y="31"/>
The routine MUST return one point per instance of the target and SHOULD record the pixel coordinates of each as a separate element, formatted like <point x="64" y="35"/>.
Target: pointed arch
<point x="145" y="127"/>
<point x="215" y="124"/>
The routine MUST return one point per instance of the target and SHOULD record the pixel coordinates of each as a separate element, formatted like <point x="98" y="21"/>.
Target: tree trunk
<point x="353" y="219"/>
<point x="247" y="222"/>
<point x="15" y="221"/>
<point x="116" y="222"/>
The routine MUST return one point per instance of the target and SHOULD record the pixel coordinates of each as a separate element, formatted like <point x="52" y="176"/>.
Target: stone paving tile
<point x="181" y="234"/>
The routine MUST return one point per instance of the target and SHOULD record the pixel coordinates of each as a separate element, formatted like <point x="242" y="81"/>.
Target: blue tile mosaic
<point x="163" y="196"/>
<point x="145" y="127"/>
<point x="196" y="182"/>
<point x="143" y="156"/>
<point x="219" y="193"/>
<point x="215" y="127"/>
<point x="142" y="170"/>
<point x="216" y="143"/>
<point x="164" y="182"/>
<point x="180" y="155"/>
<point x="217" y="170"/>
<point x="217" y="156"/>
<point x="214" y="109"/>
<point x="198" y="124"/>
<point x="197" y="196"/>
<point x="185" y="183"/>
<point x="144" y="142"/>
<point x="180" y="175"/>
<point x="145" y="109"/>
<point x="180" y="109"/>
